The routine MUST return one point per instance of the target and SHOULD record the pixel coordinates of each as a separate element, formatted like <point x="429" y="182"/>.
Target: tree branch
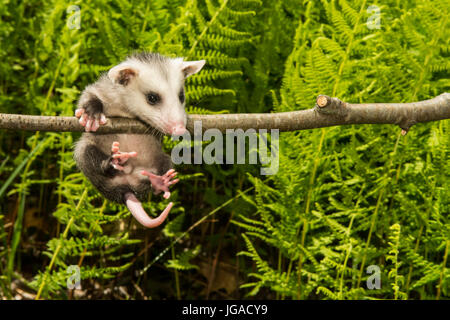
<point x="326" y="113"/>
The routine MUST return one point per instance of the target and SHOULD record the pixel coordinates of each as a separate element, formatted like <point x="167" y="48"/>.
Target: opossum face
<point x="154" y="90"/>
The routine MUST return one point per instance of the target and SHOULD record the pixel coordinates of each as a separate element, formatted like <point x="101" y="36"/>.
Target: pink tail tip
<point x="138" y="212"/>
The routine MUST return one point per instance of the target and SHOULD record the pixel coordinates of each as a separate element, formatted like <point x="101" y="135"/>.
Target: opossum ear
<point x="122" y="74"/>
<point x="191" y="67"/>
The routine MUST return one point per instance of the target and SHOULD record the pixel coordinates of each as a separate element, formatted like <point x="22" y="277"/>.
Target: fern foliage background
<point x="344" y="198"/>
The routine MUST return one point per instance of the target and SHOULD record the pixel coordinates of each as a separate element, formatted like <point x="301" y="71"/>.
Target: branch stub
<point x="322" y="101"/>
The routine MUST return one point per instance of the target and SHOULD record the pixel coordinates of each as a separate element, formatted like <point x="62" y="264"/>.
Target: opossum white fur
<point x="146" y="86"/>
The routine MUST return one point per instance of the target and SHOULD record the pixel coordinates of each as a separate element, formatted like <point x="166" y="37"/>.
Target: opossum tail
<point x="136" y="209"/>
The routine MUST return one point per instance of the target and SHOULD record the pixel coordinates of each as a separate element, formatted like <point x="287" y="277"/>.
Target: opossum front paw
<point x="162" y="183"/>
<point x="91" y="121"/>
<point x="118" y="158"/>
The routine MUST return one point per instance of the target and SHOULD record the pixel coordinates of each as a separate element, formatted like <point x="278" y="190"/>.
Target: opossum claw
<point x="90" y="122"/>
<point x="161" y="183"/>
<point x="119" y="158"/>
<point x="138" y="212"/>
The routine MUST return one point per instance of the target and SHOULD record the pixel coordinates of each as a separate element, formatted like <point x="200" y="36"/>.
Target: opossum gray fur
<point x="149" y="87"/>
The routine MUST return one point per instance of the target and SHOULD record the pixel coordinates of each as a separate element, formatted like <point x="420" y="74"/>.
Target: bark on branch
<point x="326" y="113"/>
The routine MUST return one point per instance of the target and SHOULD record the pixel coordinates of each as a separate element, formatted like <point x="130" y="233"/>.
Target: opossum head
<point x="153" y="87"/>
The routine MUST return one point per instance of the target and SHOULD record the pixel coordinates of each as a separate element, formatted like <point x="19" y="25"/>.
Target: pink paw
<point x="91" y="122"/>
<point x="119" y="158"/>
<point x="162" y="183"/>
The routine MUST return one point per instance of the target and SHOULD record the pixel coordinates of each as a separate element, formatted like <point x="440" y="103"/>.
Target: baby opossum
<point x="125" y="167"/>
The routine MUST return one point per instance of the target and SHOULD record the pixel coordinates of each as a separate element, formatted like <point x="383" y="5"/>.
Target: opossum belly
<point x="149" y="157"/>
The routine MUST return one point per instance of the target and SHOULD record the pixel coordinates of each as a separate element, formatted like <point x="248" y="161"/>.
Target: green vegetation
<point x="344" y="198"/>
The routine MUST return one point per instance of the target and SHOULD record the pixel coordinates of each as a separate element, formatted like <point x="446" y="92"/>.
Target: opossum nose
<point x="178" y="129"/>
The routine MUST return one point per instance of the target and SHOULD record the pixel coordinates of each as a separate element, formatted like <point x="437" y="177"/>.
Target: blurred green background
<point x="344" y="198"/>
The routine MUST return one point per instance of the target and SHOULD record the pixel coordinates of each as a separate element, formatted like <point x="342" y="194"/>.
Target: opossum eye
<point x="181" y="96"/>
<point x="153" y="98"/>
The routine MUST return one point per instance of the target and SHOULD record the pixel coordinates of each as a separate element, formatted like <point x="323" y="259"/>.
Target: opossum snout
<point x="177" y="128"/>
